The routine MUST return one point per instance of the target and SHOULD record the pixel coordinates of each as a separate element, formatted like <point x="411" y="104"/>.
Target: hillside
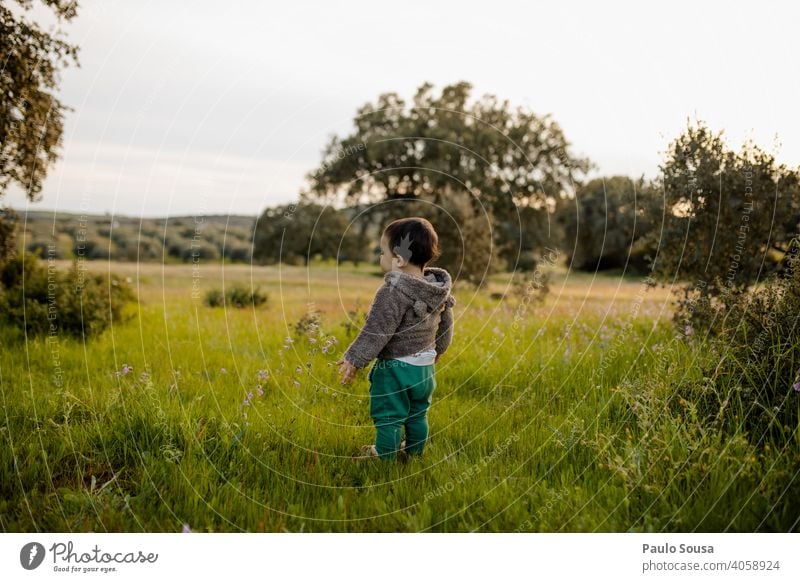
<point x="123" y="238"/>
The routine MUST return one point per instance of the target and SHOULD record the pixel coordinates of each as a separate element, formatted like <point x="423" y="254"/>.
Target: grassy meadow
<point x="551" y="416"/>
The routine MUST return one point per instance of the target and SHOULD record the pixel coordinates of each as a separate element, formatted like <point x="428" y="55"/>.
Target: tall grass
<point x="234" y="420"/>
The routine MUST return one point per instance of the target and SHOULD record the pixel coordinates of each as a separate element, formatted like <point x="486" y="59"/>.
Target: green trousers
<point x="399" y="397"/>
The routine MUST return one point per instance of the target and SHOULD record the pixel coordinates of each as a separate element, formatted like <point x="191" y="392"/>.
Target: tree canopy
<point x="728" y="216"/>
<point x="297" y="233"/>
<point x="497" y="152"/>
<point x="605" y="225"/>
<point x="31" y="116"/>
<point x="504" y="158"/>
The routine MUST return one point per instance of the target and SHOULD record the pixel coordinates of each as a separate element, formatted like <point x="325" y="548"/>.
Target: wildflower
<point x="186" y="528"/>
<point x="296" y="383"/>
<point x="259" y="390"/>
<point x="299" y="369"/>
<point x="796" y="387"/>
<point x="126" y="368"/>
<point x="312" y="340"/>
<point x="117" y="373"/>
<point x="249" y="395"/>
<point x="245" y="402"/>
<point x="262" y="375"/>
<point x="223" y="371"/>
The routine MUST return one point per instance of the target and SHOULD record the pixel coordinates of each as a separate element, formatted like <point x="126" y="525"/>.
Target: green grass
<point x="534" y="426"/>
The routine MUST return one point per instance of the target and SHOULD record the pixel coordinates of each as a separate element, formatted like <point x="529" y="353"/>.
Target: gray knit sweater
<point x="408" y="315"/>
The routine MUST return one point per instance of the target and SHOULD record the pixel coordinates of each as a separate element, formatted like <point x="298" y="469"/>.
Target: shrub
<point x="214" y="298"/>
<point x="236" y="296"/>
<point x="8" y="239"/>
<point x="238" y="253"/>
<point x="195" y="250"/>
<point x="309" y="322"/>
<point x="754" y="381"/>
<point x="44" y="300"/>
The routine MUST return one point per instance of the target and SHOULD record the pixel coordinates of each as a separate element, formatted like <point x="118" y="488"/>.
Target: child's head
<point x="408" y="241"/>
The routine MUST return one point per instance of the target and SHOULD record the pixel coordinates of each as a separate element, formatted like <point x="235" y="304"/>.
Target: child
<point x="408" y="328"/>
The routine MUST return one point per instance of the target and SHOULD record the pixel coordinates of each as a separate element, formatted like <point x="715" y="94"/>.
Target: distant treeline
<point x="120" y="238"/>
<point x="611" y="233"/>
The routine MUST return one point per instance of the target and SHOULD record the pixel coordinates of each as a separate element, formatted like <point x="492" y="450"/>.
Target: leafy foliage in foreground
<point x="42" y="299"/>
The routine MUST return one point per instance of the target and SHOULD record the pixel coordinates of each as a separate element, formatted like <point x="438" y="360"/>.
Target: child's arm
<point x="382" y="321"/>
<point x="444" y="335"/>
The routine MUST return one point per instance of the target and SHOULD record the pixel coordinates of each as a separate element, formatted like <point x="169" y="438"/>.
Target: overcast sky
<point x="222" y="107"/>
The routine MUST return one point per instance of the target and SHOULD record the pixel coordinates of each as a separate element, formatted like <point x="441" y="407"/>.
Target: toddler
<point x="408" y="328"/>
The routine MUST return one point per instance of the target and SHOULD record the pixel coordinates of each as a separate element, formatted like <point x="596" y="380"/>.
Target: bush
<point x="238" y="254"/>
<point x="43" y="300"/>
<point x="8" y="238"/>
<point x="308" y="323"/>
<point x="753" y="383"/>
<point x="235" y="296"/>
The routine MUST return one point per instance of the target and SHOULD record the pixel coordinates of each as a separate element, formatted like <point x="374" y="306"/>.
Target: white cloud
<point x="209" y="81"/>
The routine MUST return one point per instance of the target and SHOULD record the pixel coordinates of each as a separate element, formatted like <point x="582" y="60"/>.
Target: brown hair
<point x="414" y="239"/>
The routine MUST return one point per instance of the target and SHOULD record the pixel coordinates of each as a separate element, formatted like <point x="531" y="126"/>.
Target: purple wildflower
<point x="126" y="368"/>
<point x="186" y="528"/>
<point x="259" y="390"/>
<point x="796" y="387"/>
<point x="262" y="375"/>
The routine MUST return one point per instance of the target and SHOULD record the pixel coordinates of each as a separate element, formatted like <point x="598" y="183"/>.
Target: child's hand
<point x="347" y="370"/>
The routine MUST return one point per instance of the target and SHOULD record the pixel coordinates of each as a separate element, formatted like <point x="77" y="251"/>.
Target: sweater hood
<point x="425" y="295"/>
